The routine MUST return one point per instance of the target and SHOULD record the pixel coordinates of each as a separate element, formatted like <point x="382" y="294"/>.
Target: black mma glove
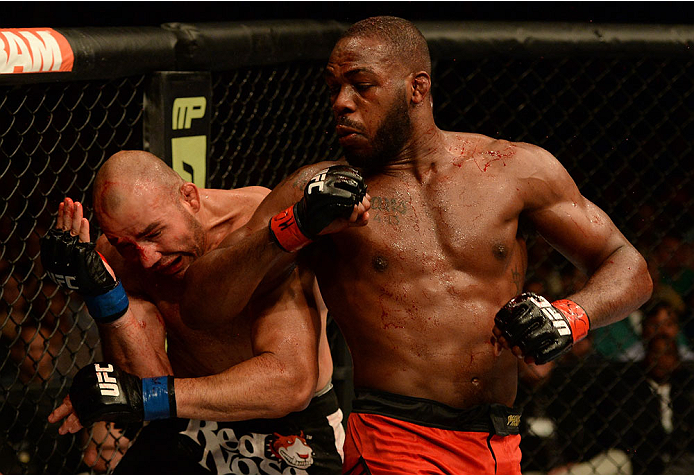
<point x="101" y="392"/>
<point x="77" y="266"/>
<point x="330" y="194"/>
<point x="541" y="329"/>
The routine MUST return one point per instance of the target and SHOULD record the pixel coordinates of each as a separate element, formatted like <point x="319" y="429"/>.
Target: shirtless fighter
<point x="267" y="369"/>
<point x="429" y="294"/>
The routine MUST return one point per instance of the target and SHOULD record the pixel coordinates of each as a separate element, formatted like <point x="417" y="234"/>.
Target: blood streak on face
<point x="153" y="230"/>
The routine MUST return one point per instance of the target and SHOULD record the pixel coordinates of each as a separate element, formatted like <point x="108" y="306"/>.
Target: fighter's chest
<point x="217" y="346"/>
<point x="455" y="225"/>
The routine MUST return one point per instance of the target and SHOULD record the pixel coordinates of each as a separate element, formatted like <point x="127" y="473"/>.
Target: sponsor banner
<point x="34" y="50"/>
<point x="177" y="121"/>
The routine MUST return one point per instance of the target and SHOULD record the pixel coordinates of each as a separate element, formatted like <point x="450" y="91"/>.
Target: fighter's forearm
<point x="261" y="387"/>
<point x="220" y="283"/>
<point x="620" y="285"/>
<point x="125" y="343"/>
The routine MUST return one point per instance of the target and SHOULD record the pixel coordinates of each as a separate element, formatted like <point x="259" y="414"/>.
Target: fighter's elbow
<point x="303" y="395"/>
<point x="297" y="390"/>
<point x="645" y="284"/>
<point x="638" y="284"/>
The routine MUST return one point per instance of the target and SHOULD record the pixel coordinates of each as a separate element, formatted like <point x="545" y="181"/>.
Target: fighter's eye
<point x="334" y="90"/>
<point x="361" y="87"/>
<point x="154" y="235"/>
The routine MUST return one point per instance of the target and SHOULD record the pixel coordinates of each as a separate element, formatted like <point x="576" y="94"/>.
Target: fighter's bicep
<point x="283" y="323"/>
<point x="571" y="223"/>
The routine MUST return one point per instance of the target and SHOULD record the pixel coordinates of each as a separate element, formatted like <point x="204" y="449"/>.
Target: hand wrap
<point x="77" y="266"/>
<point x="329" y="195"/>
<point x="541" y="329"/>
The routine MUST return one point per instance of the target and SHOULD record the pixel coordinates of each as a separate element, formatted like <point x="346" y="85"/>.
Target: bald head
<point x="133" y="174"/>
<point x="401" y="37"/>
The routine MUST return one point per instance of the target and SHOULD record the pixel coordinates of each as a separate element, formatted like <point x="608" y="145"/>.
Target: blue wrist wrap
<point x="108" y="307"/>
<point x="157" y="397"/>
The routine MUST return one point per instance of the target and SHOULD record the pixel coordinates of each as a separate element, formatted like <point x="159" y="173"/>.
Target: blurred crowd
<point x="622" y="402"/>
<point x="45" y="337"/>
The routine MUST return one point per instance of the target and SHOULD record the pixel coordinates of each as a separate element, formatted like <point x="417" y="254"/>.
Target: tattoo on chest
<point x="387" y="210"/>
<point x="517" y="278"/>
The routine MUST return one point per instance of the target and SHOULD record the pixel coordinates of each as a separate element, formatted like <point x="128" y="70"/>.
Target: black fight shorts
<point x="302" y="443"/>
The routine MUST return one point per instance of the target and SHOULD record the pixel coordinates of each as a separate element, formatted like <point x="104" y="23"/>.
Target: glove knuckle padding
<point x="525" y="322"/>
<point x="92" y="271"/>
<point x="75" y="264"/>
<point x="330" y="195"/>
<point x="100" y="392"/>
<point x="514" y="322"/>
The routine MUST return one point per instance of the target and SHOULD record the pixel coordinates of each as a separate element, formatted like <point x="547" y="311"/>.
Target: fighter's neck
<point x="420" y="155"/>
<point x="220" y="213"/>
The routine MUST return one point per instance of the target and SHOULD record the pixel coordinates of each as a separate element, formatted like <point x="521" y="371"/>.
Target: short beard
<point x="198" y="240"/>
<point x="388" y="142"/>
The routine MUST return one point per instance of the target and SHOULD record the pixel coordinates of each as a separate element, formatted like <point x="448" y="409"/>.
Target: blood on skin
<point x="501" y="156"/>
<point x="384" y="312"/>
<point x="106" y="186"/>
<point x="579" y="227"/>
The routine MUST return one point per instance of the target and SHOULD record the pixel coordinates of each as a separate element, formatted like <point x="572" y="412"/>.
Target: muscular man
<point x="267" y="369"/>
<point x="429" y="294"/>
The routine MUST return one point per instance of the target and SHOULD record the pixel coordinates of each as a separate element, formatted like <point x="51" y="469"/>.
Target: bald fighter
<point x="253" y="395"/>
<point x="429" y="294"/>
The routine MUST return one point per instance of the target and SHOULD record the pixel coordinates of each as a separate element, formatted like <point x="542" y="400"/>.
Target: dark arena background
<point x="613" y="101"/>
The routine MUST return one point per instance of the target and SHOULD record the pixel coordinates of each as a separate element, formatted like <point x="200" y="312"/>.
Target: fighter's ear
<point x="421" y="84"/>
<point x="191" y="195"/>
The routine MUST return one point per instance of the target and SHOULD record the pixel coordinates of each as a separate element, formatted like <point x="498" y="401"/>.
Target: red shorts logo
<point x="293" y="449"/>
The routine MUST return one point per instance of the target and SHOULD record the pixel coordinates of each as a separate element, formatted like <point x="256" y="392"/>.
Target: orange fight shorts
<point x="395" y="435"/>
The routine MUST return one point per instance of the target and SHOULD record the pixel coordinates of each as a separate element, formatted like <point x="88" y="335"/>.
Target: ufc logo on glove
<point x="553" y="315"/>
<point x="108" y="385"/>
<point x="65" y="280"/>
<point x="317" y="182"/>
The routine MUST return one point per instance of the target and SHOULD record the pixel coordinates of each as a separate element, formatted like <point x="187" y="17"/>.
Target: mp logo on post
<point x="34" y="50"/>
<point x="107" y="384"/>
<point x="185" y="109"/>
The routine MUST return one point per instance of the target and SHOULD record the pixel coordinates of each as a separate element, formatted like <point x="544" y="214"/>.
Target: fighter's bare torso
<point x="419" y="286"/>
<point x="190" y="352"/>
<point x="196" y="352"/>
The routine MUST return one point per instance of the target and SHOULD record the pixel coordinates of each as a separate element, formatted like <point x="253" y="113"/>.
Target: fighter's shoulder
<point x="542" y="178"/>
<point x="535" y="153"/>
<point x="251" y="194"/>
<point x="506" y="149"/>
<point x="519" y="158"/>
<point x="535" y="161"/>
